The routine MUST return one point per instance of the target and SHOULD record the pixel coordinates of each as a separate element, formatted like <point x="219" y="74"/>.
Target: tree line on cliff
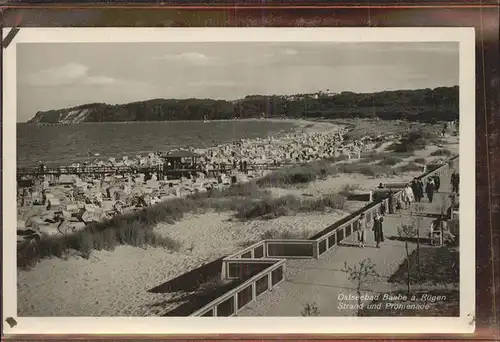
<point x="425" y="105"/>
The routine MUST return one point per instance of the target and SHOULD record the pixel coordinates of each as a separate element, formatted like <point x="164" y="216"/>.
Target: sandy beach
<point x="116" y="283"/>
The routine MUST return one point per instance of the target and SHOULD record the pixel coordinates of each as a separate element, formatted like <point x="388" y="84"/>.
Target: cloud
<point x="76" y="75"/>
<point x="219" y="84"/>
<point x="434" y="47"/>
<point x="290" y="52"/>
<point x="68" y="74"/>
<point x="190" y="57"/>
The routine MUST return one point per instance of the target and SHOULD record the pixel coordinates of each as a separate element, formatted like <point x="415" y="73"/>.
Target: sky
<point x="62" y="75"/>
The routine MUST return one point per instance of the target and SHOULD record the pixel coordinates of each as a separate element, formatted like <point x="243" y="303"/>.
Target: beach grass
<point x="370" y="170"/>
<point x="443" y="152"/>
<point x="410" y="167"/>
<point x="304" y="174"/>
<point x="285" y="234"/>
<point x="300" y="174"/>
<point x="275" y="207"/>
<point x="281" y="234"/>
<point x="416" y="139"/>
<point x="132" y="229"/>
<point x="349" y="189"/>
<point x="390" y="161"/>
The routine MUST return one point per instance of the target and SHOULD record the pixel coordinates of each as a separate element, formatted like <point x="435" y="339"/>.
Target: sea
<point x="65" y="144"/>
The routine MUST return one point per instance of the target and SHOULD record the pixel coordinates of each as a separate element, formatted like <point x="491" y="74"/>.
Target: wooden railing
<point x="239" y="297"/>
<point x="68" y="170"/>
<point x="267" y="258"/>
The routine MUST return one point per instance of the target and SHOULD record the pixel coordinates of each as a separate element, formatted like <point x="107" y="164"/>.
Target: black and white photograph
<point x="272" y="173"/>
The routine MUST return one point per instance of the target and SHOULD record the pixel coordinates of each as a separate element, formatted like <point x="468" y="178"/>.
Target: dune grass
<point x="442" y="152"/>
<point x="275" y="207"/>
<point x="374" y="157"/>
<point x="300" y="174"/>
<point x="410" y="167"/>
<point x="390" y="161"/>
<point x="416" y="139"/>
<point x="349" y="189"/>
<point x="370" y="170"/>
<point x="281" y="234"/>
<point x="285" y="234"/>
<point x="303" y="174"/>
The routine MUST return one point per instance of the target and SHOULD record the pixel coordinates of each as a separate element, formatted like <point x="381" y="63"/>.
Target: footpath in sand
<point x="325" y="283"/>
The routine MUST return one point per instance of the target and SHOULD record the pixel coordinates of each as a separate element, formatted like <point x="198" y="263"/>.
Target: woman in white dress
<point x="362" y="230"/>
<point x="408" y="197"/>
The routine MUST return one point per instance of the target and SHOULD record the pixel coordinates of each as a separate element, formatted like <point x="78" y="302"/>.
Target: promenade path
<point x="323" y="282"/>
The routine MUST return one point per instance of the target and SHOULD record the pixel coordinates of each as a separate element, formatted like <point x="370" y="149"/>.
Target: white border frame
<point x="244" y="325"/>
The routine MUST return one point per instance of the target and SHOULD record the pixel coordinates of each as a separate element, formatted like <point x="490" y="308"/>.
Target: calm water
<point x="56" y="145"/>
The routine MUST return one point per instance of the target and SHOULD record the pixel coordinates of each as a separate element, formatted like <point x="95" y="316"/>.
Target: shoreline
<point x="277" y="120"/>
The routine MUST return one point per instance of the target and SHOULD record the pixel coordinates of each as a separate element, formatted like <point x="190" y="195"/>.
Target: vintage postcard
<point x="239" y="180"/>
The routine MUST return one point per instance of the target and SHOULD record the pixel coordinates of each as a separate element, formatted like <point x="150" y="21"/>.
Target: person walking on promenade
<point x="377" y="229"/>
<point x="414" y="188"/>
<point x="429" y="189"/>
<point x="391" y="201"/>
<point x="408" y="196"/>
<point x="420" y="188"/>
<point x="361" y="230"/>
<point x="383" y="208"/>
<point x="437" y="182"/>
<point x="455" y="179"/>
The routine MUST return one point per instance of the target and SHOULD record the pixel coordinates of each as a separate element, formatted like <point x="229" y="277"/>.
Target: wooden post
<point x="315" y="250"/>
<point x="224" y="271"/>
<point x="235" y="297"/>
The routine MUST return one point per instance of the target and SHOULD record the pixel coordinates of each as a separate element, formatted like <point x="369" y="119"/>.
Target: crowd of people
<point x="411" y="193"/>
<point x="288" y="149"/>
